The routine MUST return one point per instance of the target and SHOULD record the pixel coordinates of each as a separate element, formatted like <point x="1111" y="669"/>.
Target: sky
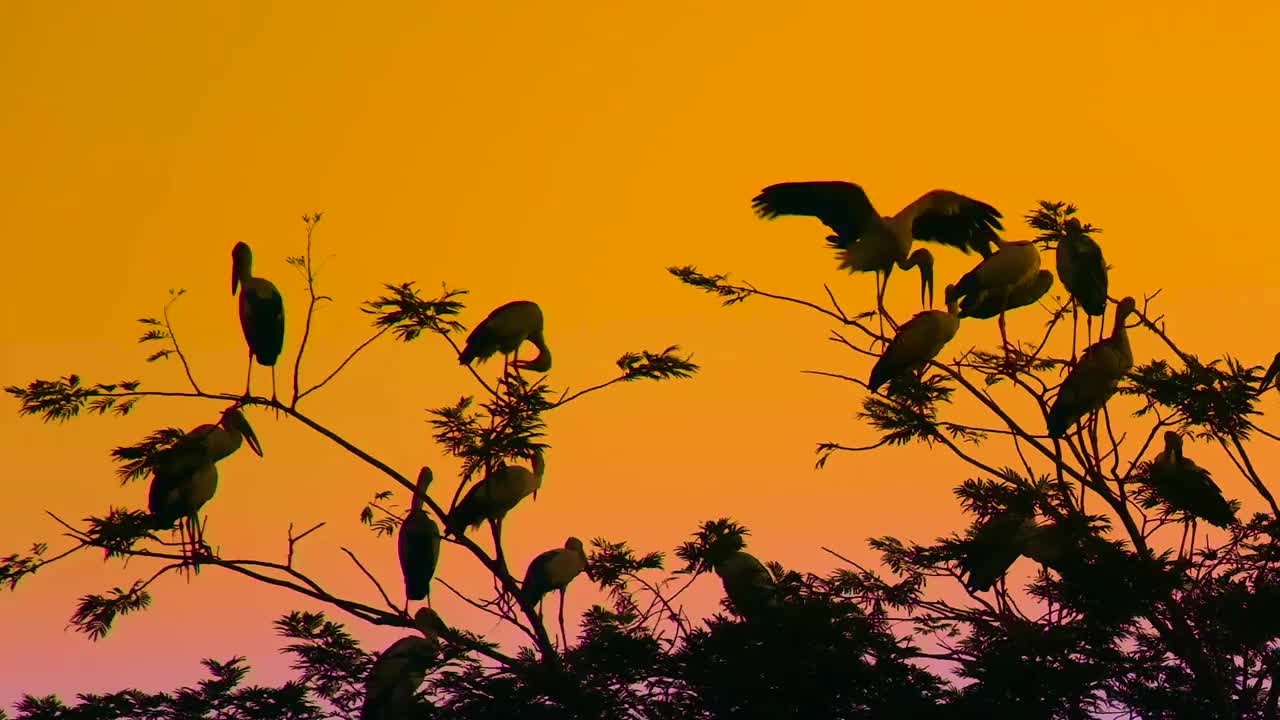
<point x="565" y="153"/>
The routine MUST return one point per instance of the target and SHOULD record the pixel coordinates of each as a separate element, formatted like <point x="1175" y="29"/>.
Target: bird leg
<point x="563" y="637"/>
<point x="248" y="375"/>
<point x="880" y="302"/>
<point x="274" y="402"/>
<point x="1075" y="328"/>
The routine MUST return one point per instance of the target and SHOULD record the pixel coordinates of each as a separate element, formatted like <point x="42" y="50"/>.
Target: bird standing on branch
<point x="503" y="331"/>
<point x="418" y="544"/>
<point x="1095" y="377"/>
<point x="554" y="570"/>
<point x="261" y="315"/>
<point x="185" y="476"/>
<point x="918" y="341"/>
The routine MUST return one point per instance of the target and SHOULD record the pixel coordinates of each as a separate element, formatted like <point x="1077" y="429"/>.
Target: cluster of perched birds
<point x="1009" y="276"/>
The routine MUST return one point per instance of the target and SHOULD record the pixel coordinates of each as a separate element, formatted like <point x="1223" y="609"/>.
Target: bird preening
<point x="261" y="315"/>
<point x="504" y="330"/>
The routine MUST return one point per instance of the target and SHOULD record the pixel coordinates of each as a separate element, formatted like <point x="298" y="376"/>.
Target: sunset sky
<point x="565" y="153"/>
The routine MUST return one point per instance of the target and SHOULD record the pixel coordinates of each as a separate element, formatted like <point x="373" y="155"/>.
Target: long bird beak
<point x="235" y="276"/>
<point x="245" y="429"/>
<point x="926" y="283"/>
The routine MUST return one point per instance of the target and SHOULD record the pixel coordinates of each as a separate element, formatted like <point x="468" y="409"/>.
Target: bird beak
<point x="249" y="436"/>
<point x="235" y="276"/>
<point x="926" y="283"/>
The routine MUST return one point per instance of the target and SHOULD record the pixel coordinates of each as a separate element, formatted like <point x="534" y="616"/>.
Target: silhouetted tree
<point x="1135" y="609"/>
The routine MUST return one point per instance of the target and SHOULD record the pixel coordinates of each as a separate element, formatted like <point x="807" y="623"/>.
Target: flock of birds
<point x="1009" y="276"/>
<point x="1005" y="279"/>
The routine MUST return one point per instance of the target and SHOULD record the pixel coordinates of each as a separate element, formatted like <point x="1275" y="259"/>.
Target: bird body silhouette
<point x="1187" y="487"/>
<point x="495" y="496"/>
<point x="869" y="242"/>
<point x="503" y="331"/>
<point x="994" y="547"/>
<point x="1095" y="377"/>
<point x="395" y="676"/>
<point x="418" y="544"/>
<point x="261" y="314"/>
<point x="1082" y="270"/>
<point x="185" y="475"/>
<point x="747" y="583"/>
<point x="987" y="306"/>
<point x="994" y="279"/>
<point x="918" y="341"/>
<point x="553" y="570"/>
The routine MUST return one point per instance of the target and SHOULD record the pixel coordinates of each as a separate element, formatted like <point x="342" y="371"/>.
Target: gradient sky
<point x="567" y="153"/>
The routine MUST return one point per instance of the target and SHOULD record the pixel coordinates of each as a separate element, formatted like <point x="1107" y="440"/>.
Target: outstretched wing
<point x="949" y="218"/>
<point x="841" y="206"/>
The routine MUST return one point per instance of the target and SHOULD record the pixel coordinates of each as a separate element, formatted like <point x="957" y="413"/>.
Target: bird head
<point x="1173" y="442"/>
<point x="923" y="259"/>
<point x="232" y="418"/>
<point x="241" y="264"/>
<point x="420" y="491"/>
<point x="1125" y="308"/>
<point x="573" y="543"/>
<point x="429" y="623"/>
<point x="949" y="297"/>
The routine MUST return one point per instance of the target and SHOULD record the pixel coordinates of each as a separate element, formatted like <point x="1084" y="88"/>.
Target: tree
<point x="1132" y="611"/>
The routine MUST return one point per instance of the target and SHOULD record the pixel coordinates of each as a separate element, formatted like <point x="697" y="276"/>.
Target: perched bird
<point x="1187" y="487"/>
<point x="418" y="544"/>
<point x="747" y="583"/>
<point x="994" y="279"/>
<point x="261" y="315"/>
<point x="185" y="476"/>
<point x="395" y="676"/>
<point x="503" y="331"/>
<point x="988" y="306"/>
<point x="1083" y="272"/>
<point x="494" y="496"/>
<point x="918" y="341"/>
<point x="554" y="570"/>
<point x="1095" y="376"/>
<point x="994" y="547"/>
<point x="869" y="242"/>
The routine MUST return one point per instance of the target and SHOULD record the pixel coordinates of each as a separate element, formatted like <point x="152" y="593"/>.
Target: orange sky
<point x="566" y="153"/>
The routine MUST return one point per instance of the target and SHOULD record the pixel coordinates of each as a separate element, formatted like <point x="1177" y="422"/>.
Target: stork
<point x="185" y="476"/>
<point x="1187" y="487"/>
<point x="989" y="306"/>
<point x="869" y="242"/>
<point x="994" y="279"/>
<point x="418" y="544"/>
<point x="918" y="341"/>
<point x="495" y="496"/>
<point x="747" y="583"/>
<point x="994" y="546"/>
<point x="395" y="676"/>
<point x="261" y="315"/>
<point x="503" y="331"/>
<point x="554" y="570"/>
<point x="1095" y="376"/>
<point x="1083" y="272"/>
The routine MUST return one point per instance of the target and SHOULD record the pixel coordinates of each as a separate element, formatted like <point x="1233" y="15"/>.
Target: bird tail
<point x="1058" y="421"/>
<point x="416" y="588"/>
<point x="467" y="355"/>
